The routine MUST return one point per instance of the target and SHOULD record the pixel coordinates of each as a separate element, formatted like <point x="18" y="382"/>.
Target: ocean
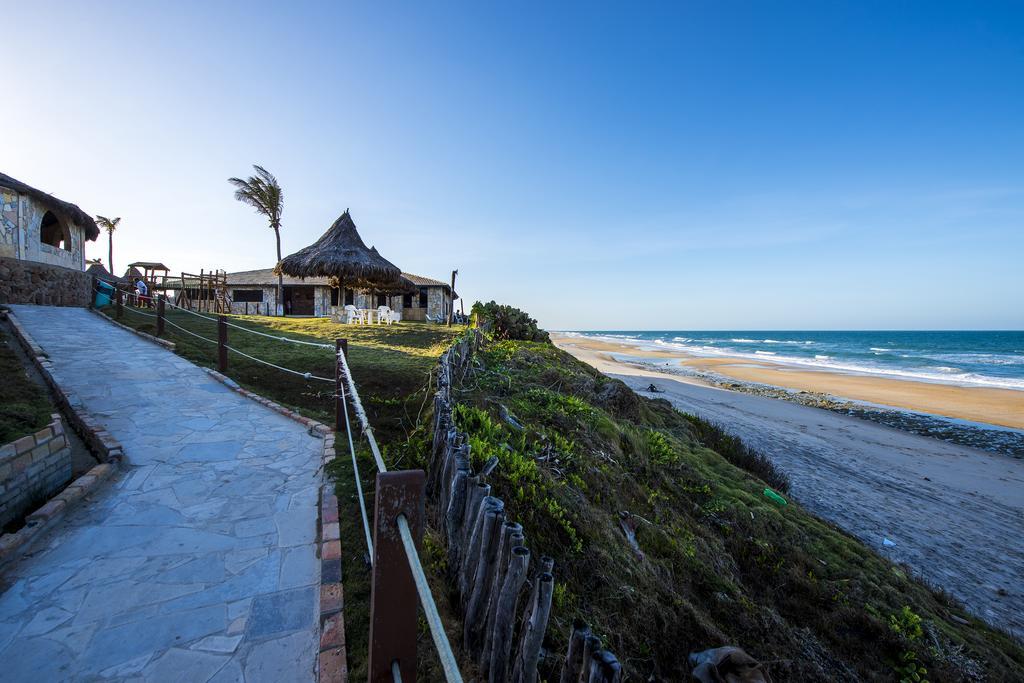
<point x="988" y="359"/>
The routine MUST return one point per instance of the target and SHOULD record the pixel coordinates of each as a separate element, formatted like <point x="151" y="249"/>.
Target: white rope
<point x="355" y="470"/>
<point x="306" y="375"/>
<point x="250" y="331"/>
<point x="357" y="405"/>
<point x="134" y="310"/>
<point x="444" y="649"/>
<point x="174" y="324"/>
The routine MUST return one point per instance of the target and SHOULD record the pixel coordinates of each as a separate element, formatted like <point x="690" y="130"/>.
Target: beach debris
<point x="730" y="664"/>
<point x="775" y="497"/>
<point x="629" y="526"/>
<point x="508" y="419"/>
<point x="887" y="542"/>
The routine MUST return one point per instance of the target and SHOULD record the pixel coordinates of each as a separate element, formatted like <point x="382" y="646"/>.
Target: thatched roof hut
<point x="65" y="210"/>
<point x="340" y="253"/>
<point x="101" y="273"/>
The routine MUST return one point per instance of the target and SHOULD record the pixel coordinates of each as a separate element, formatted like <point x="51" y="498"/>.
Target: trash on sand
<point x="726" y="664"/>
<point x="773" y="496"/>
<point x="886" y="541"/>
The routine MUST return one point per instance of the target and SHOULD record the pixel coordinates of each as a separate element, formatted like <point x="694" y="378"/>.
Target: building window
<point x="407" y="301"/>
<point x="423" y="297"/>
<point x="382" y="299"/>
<point x="52" y="232"/>
<point x="334" y="296"/>
<point x="248" y="296"/>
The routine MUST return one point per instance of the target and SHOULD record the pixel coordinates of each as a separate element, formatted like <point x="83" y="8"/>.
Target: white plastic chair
<point x="383" y="315"/>
<point x="353" y="314"/>
<point x="396" y="316"/>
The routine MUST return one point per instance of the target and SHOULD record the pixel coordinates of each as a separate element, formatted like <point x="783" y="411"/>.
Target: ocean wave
<point x="914" y="366"/>
<point x="878" y="350"/>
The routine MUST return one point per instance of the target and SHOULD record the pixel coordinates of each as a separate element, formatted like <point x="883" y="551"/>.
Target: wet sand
<point x="954" y="513"/>
<point x="1002" y="407"/>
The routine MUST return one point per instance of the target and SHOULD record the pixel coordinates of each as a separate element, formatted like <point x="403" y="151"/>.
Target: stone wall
<point x="21" y="218"/>
<point x="26" y="282"/>
<point x="32" y="470"/>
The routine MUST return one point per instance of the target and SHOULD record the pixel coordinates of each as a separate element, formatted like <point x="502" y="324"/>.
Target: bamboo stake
<point x="504" y="617"/>
<point x="533" y="630"/>
<point x="476" y="617"/>
<point x="511" y="536"/>
<point x="574" y="654"/>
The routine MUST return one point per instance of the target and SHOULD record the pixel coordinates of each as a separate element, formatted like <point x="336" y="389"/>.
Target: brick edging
<point x="167" y="344"/>
<point x="333" y="661"/>
<point x="107" y="448"/>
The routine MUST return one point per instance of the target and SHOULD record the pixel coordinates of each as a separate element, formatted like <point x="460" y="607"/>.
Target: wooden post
<point x="222" y="344"/>
<point x="451" y="306"/>
<point x="120" y="303"/>
<point x="161" y="311"/>
<point x="340" y="347"/>
<point x="393" y="597"/>
<point x="504" y="616"/>
<point x="93" y="292"/>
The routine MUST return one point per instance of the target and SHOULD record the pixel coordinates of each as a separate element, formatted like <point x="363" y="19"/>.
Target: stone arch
<point x="52" y="231"/>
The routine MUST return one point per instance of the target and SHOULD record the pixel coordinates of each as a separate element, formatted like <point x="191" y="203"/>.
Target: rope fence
<point x="402" y="508"/>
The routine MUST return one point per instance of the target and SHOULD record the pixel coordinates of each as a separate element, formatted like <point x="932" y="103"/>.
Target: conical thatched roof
<point x="66" y="210"/>
<point x="340" y="253"/>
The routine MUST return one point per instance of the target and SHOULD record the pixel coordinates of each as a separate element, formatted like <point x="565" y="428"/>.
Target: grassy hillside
<point x="716" y="561"/>
<point x="721" y="563"/>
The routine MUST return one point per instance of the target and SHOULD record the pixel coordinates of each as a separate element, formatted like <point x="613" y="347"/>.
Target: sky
<point x="691" y="166"/>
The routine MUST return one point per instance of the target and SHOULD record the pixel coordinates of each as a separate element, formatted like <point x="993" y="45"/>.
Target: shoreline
<point x="948" y="511"/>
<point x="985" y="406"/>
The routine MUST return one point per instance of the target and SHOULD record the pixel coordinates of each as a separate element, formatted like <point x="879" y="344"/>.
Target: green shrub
<point x="505" y="322"/>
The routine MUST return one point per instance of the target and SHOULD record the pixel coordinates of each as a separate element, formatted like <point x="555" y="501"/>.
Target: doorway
<point x="299" y="300"/>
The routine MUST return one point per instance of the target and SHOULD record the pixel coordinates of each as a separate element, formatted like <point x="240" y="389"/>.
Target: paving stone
<point x="281" y="612"/>
<point x="183" y="567"/>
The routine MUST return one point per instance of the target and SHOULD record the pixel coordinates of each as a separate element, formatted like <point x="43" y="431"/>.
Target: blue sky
<point x="689" y="166"/>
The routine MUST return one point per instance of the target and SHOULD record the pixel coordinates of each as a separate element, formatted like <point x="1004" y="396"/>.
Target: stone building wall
<point x="33" y="469"/>
<point x="26" y="282"/>
<point x="21" y="219"/>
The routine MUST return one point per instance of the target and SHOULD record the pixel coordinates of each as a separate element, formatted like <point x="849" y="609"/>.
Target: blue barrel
<point x="104" y="294"/>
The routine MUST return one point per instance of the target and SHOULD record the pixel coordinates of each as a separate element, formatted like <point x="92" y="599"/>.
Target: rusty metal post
<point x="120" y="303"/>
<point x="340" y="346"/>
<point x="161" y="311"/>
<point x="222" y="344"/>
<point x="393" y="597"/>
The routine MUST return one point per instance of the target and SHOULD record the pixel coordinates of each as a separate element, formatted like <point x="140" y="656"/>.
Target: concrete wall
<point x="32" y="470"/>
<point x="25" y="282"/>
<point x="21" y="219"/>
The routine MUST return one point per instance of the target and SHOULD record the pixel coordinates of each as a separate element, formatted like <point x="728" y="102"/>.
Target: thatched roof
<point x="341" y="253"/>
<point x="65" y="210"/>
<point x="101" y="273"/>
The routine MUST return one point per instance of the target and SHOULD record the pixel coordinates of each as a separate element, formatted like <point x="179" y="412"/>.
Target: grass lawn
<point x="392" y="368"/>
<point x="25" y="407"/>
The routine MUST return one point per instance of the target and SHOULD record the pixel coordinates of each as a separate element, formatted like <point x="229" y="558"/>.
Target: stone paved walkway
<point x="198" y="562"/>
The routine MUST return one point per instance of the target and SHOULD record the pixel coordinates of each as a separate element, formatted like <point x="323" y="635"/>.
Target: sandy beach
<point x="951" y="513"/>
<point x="1002" y="407"/>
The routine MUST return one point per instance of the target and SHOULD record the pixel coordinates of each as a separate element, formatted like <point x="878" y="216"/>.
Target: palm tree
<point x="263" y="193"/>
<point x="110" y="225"/>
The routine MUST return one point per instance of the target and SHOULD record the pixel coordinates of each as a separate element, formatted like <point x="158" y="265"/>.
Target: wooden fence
<point x="490" y="562"/>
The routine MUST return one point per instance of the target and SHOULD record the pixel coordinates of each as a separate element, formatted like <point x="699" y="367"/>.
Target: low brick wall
<point x="33" y="469"/>
<point x="29" y="282"/>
